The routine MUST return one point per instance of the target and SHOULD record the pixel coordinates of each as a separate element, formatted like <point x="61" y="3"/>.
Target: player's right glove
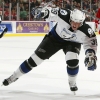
<point x="90" y="60"/>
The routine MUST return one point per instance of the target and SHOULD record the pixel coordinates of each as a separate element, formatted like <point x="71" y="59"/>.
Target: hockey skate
<point x="73" y="87"/>
<point x="9" y="80"/>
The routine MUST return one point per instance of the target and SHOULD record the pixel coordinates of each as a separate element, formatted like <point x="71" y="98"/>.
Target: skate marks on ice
<point x="25" y="95"/>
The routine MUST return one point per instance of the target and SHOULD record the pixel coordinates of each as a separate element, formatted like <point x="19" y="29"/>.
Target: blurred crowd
<point x="21" y="9"/>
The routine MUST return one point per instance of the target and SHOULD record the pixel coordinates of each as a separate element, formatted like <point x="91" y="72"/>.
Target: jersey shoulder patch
<point x="86" y="29"/>
<point x="63" y="12"/>
<point x="90" y="31"/>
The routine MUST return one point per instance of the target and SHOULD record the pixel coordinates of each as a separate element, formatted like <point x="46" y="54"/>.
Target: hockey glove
<point x="90" y="60"/>
<point x="39" y="13"/>
<point x="36" y="11"/>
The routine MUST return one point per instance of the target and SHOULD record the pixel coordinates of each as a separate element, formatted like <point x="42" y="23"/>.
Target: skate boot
<point x="9" y="80"/>
<point x="73" y="87"/>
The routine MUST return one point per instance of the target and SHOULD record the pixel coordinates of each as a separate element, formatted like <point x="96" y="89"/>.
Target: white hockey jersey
<point x="62" y="29"/>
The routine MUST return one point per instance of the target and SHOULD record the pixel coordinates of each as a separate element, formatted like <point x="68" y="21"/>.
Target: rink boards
<point x="31" y="28"/>
<point x="28" y="34"/>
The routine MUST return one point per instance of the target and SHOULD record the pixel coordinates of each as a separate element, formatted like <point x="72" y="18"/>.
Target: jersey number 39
<point x="94" y="41"/>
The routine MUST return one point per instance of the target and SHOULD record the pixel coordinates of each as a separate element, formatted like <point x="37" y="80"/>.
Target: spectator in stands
<point x="67" y="4"/>
<point x="6" y="14"/>
<point x="74" y="4"/>
<point x="78" y="6"/>
<point x="6" y="4"/>
<point x="58" y="4"/>
<point x="86" y="4"/>
<point x="22" y="7"/>
<point x="97" y="21"/>
<point x="1" y="5"/>
<point x="26" y="6"/>
<point x="20" y="1"/>
<point x="95" y="6"/>
<point x="14" y="3"/>
<point x="26" y="1"/>
<point x="33" y="4"/>
<point x="13" y="14"/>
<point x="92" y="12"/>
<point x="24" y="15"/>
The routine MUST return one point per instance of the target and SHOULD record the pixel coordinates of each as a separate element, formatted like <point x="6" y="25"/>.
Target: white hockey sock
<point x="72" y="79"/>
<point x="18" y="73"/>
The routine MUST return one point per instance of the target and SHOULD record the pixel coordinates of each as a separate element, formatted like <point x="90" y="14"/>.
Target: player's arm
<point x="49" y="13"/>
<point x="90" y="47"/>
<point x="4" y="31"/>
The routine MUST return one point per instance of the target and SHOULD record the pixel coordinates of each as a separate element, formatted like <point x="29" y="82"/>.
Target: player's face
<point x="75" y="25"/>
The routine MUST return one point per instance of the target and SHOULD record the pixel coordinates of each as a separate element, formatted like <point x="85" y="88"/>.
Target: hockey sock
<point x="72" y="74"/>
<point x="24" y="67"/>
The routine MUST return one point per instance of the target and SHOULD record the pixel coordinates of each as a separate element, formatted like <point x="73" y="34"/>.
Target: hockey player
<point x="4" y="29"/>
<point x="68" y="34"/>
<point x="97" y="21"/>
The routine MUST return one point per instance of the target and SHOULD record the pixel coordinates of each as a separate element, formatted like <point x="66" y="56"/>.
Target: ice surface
<point x="49" y="80"/>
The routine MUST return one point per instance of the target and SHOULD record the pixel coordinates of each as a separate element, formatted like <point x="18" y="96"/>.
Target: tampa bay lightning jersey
<point x="83" y="34"/>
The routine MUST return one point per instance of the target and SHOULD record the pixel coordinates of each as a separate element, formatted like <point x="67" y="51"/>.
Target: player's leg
<point x="45" y="50"/>
<point x="72" y="51"/>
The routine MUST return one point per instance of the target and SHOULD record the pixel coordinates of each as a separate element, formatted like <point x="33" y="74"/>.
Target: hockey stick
<point x="47" y="4"/>
<point x="4" y="31"/>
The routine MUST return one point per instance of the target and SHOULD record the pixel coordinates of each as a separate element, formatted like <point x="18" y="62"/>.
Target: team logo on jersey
<point x="54" y="11"/>
<point x="91" y="32"/>
<point x="63" y="12"/>
<point x="68" y="35"/>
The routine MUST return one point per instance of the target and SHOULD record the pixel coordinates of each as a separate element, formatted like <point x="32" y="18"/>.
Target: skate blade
<point x="74" y="92"/>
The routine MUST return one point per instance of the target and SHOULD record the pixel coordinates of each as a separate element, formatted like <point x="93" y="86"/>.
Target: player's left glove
<point x="90" y="60"/>
<point x="36" y="11"/>
<point x="40" y="13"/>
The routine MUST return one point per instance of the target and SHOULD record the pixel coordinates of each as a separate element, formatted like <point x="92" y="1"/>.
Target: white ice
<point x="49" y="80"/>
